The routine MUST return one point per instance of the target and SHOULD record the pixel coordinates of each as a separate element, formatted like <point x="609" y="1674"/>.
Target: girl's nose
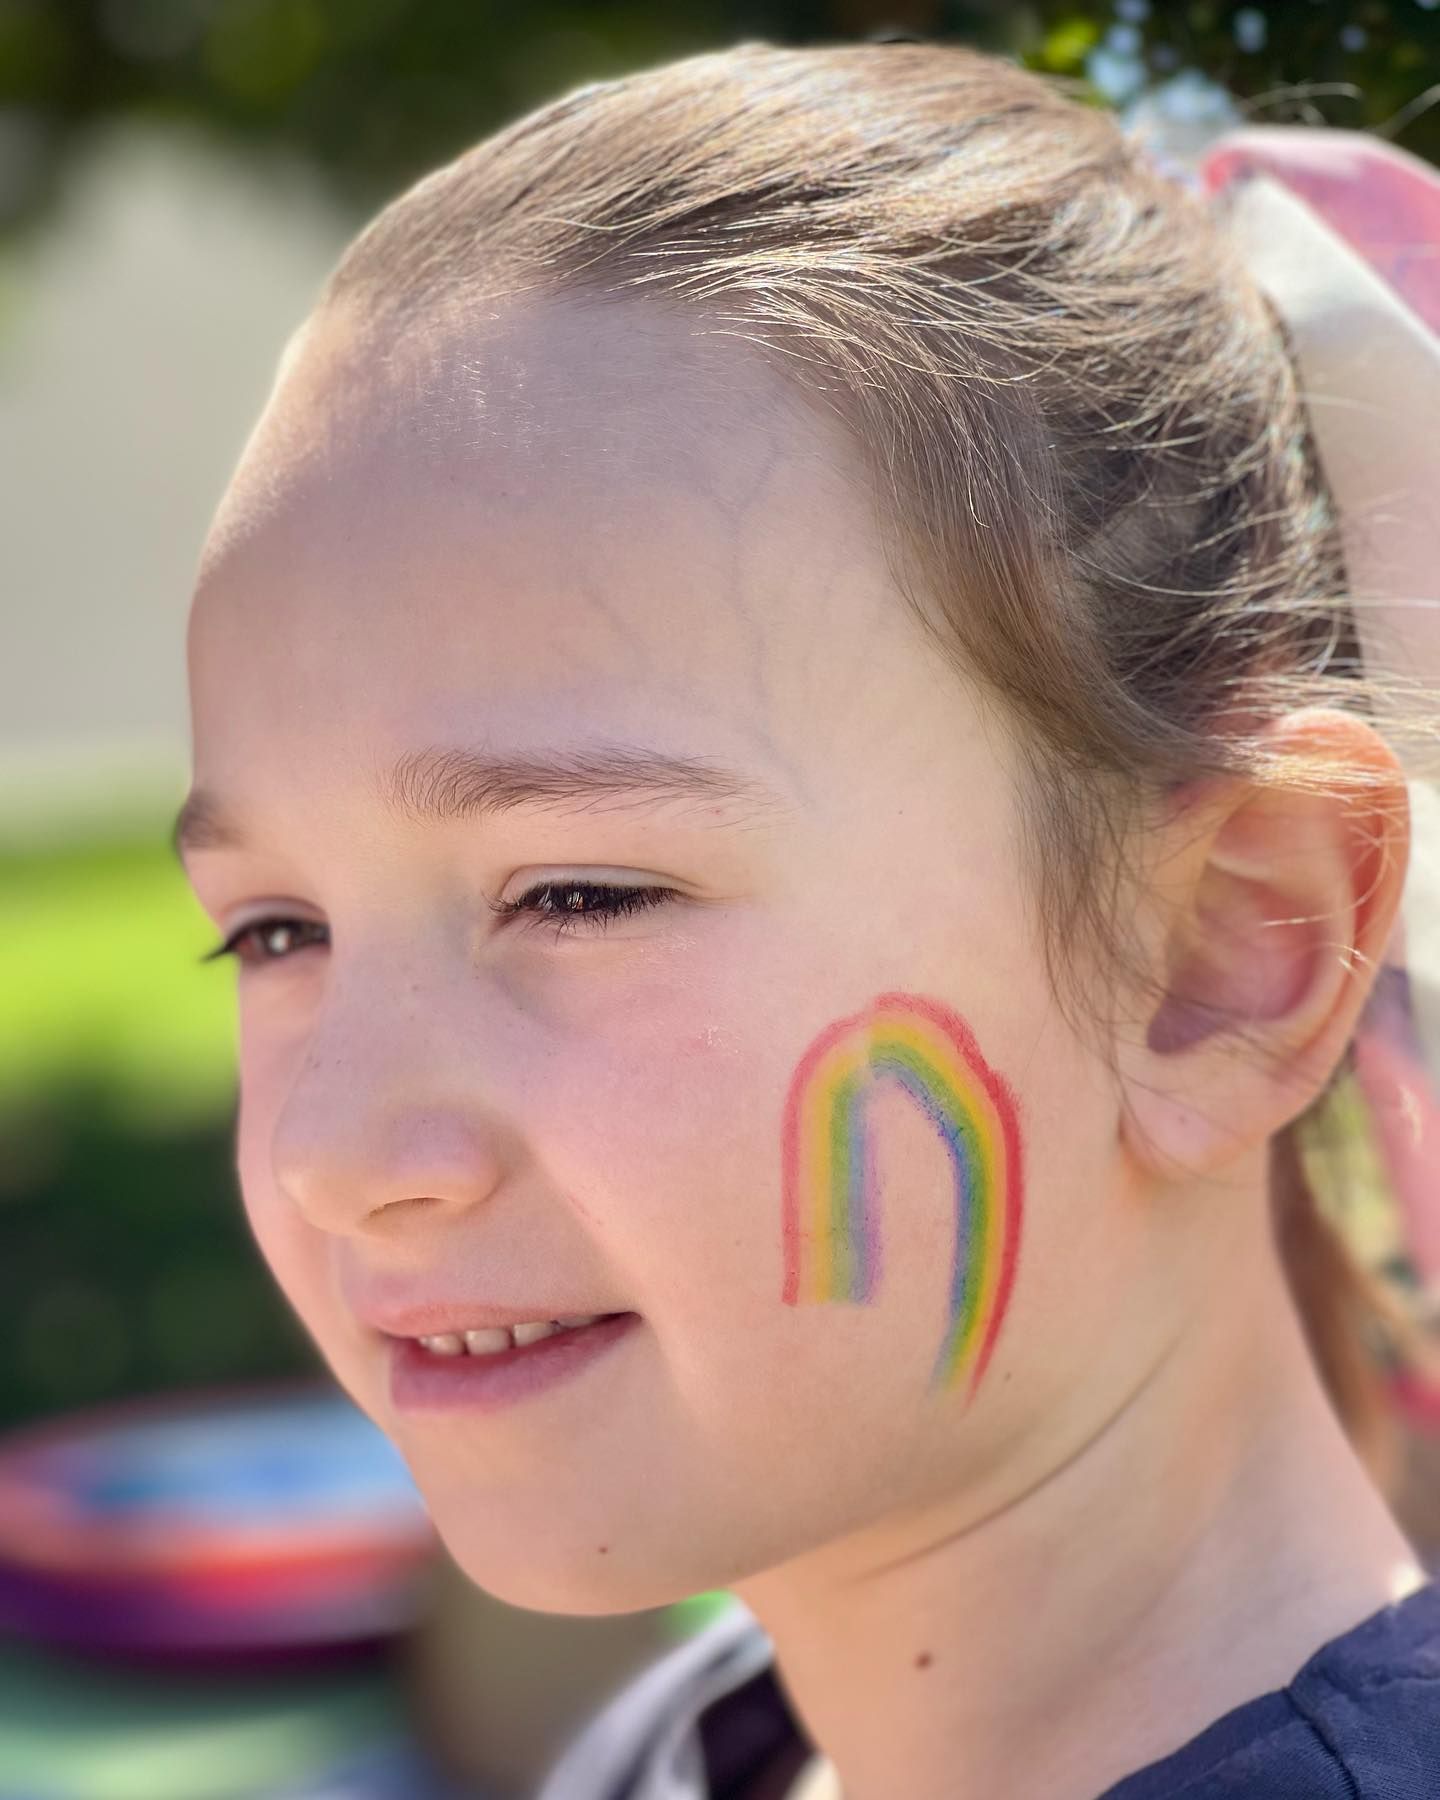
<point x="402" y="1171"/>
<point x="390" y="1129"/>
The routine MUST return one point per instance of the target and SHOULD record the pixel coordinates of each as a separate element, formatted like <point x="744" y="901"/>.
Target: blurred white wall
<point x="138" y="340"/>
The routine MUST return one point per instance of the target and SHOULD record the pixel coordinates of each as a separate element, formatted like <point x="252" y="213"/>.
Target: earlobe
<point x="1279" y="903"/>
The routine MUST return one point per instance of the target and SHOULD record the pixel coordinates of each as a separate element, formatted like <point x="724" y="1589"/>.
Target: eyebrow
<point x="438" y="784"/>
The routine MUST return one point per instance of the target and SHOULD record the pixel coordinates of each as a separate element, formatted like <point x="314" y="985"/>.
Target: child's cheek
<point x="666" y="1146"/>
<point x="881" y="1171"/>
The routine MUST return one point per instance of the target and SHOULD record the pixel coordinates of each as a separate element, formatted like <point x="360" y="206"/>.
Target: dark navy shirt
<point x="1359" y="1721"/>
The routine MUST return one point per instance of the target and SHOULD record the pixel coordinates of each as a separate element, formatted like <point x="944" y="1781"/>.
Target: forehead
<point x="569" y="501"/>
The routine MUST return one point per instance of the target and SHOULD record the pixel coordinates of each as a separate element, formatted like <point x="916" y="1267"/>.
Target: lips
<point x="423" y="1380"/>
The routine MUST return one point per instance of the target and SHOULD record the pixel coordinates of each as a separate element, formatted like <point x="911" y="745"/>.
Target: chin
<point x="586" y="1549"/>
<point x="565" y="1576"/>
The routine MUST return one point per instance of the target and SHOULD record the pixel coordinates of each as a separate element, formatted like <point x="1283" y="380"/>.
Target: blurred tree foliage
<point x="377" y="91"/>
<point x="130" y="1268"/>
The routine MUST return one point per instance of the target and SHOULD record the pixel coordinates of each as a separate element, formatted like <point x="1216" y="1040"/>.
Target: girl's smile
<point x="423" y="1378"/>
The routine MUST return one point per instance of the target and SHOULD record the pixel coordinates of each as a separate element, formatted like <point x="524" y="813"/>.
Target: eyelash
<point x="563" y="923"/>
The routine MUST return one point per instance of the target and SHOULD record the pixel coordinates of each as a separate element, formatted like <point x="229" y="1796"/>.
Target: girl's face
<point x="568" y="600"/>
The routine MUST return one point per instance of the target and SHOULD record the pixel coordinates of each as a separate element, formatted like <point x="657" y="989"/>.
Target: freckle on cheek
<point x="831" y="1236"/>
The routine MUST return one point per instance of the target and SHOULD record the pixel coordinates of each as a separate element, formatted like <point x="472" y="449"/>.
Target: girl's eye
<point x="562" y="906"/>
<point x="269" y="933"/>
<point x="568" y="906"/>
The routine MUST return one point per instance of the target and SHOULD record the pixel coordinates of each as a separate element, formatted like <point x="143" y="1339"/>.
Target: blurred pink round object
<point x="239" y="1522"/>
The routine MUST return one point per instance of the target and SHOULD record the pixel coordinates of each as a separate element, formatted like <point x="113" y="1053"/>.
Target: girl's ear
<point x="1272" y="910"/>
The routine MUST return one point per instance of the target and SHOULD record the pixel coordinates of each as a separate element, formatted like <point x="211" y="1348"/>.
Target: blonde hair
<point x="1079" y="413"/>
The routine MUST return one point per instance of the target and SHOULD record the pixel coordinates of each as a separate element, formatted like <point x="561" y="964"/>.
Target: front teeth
<point x="493" y="1338"/>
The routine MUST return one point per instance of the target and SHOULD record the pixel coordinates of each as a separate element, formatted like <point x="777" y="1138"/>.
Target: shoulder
<point x="1359" y="1721"/>
<point x="1373" y="1696"/>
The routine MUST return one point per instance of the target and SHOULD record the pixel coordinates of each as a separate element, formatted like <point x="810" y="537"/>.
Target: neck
<point x="1207" y="1536"/>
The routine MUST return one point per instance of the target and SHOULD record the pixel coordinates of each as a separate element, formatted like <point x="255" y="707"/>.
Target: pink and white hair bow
<point x="1342" y="231"/>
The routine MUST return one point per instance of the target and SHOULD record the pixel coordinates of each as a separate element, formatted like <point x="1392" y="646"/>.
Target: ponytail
<point x="1328" y="1198"/>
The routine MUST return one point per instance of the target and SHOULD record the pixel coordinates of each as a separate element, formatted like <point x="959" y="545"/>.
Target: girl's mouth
<point x="500" y="1365"/>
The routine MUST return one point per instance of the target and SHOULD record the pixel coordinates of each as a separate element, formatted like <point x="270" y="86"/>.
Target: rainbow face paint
<point x="830" y="1204"/>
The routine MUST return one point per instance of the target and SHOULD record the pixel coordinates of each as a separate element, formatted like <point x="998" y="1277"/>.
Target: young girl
<point x="777" y="741"/>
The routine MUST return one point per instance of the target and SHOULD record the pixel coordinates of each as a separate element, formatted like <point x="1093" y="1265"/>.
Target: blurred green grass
<point x="99" y="949"/>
